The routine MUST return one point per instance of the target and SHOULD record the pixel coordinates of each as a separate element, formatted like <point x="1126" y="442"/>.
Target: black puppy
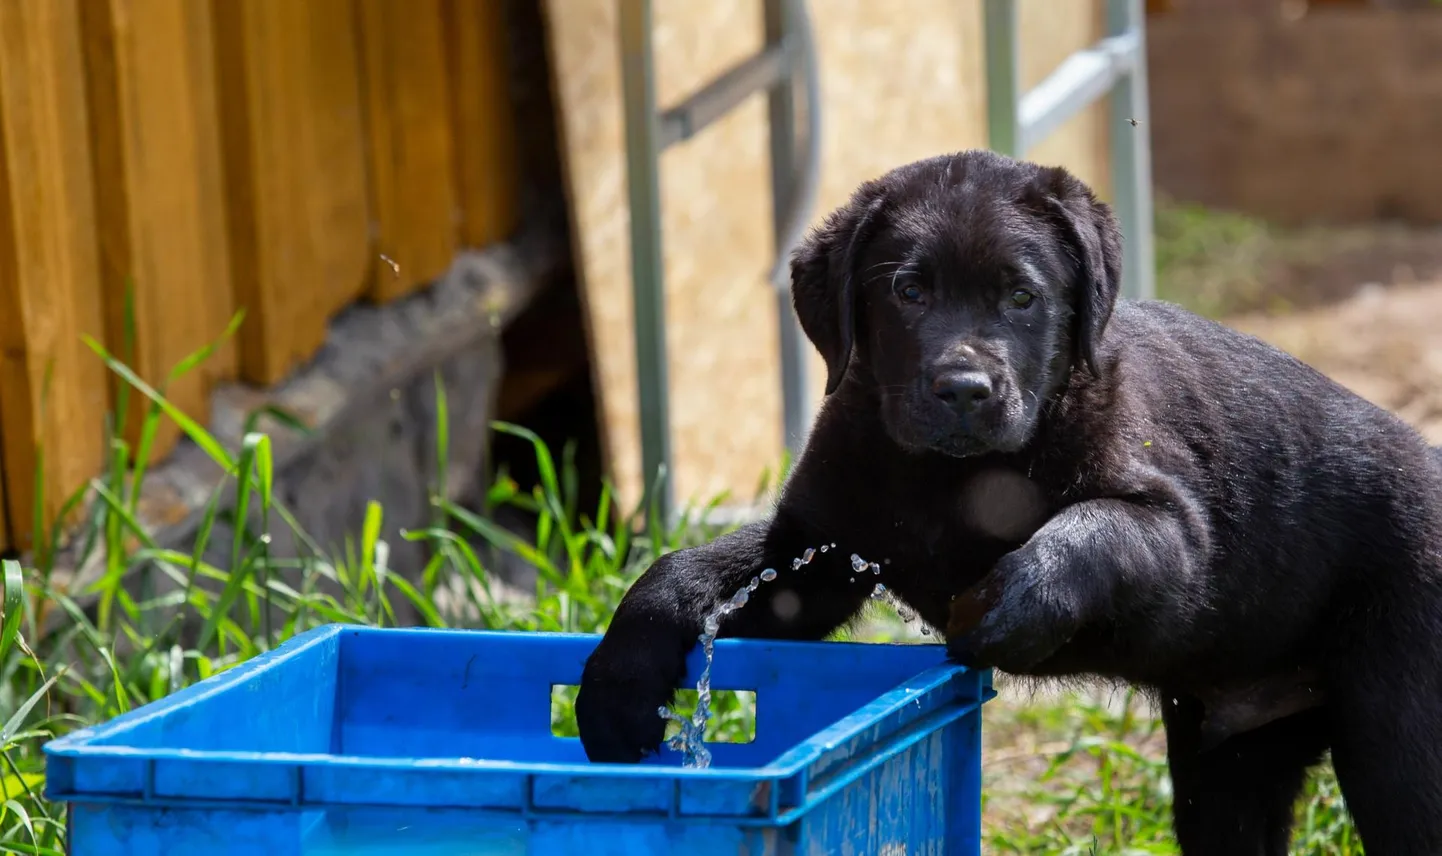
<point x="1076" y="486"/>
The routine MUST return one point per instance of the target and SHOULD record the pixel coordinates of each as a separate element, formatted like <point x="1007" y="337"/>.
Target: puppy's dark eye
<point x="909" y="293"/>
<point x="1021" y="298"/>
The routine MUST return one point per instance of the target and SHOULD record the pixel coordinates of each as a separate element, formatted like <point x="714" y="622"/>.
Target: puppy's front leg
<point x="1088" y="563"/>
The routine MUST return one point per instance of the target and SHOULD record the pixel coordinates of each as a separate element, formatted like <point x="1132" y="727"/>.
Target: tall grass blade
<point x="11" y="606"/>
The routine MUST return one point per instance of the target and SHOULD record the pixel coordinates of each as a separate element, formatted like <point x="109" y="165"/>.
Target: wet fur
<point x="1150" y="498"/>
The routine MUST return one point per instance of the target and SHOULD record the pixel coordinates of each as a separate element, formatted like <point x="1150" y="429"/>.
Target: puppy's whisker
<point x="885" y="264"/>
<point x="894" y="274"/>
<point x="898" y="272"/>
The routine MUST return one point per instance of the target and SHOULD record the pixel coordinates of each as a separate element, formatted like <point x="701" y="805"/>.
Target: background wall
<point x="1331" y="115"/>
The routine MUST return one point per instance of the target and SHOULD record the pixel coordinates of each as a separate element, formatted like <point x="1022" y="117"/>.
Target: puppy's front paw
<point x="1012" y="620"/>
<point x="624" y="684"/>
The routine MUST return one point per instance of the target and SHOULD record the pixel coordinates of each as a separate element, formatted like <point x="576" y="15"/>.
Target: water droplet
<point x="808" y="555"/>
<point x="825" y="547"/>
<point x="875" y="568"/>
<point x="851" y="580"/>
<point x="857" y="563"/>
<point x="833" y="543"/>
<point x="879" y="591"/>
<point x="768" y="575"/>
<point x="796" y="564"/>
<point x="713" y="625"/>
<point x="754" y="584"/>
<point x="925" y="631"/>
<point x="739" y="599"/>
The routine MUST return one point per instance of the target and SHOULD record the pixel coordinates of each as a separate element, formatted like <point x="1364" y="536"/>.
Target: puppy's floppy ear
<point x="822" y="288"/>
<point x="1094" y="240"/>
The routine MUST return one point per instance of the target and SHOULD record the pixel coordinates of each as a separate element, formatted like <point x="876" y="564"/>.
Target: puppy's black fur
<point x="1076" y="486"/>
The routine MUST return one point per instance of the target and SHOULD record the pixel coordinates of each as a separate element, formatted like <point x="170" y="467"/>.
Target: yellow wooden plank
<point x="5" y="542"/>
<point x="293" y="146"/>
<point x="487" y="171"/>
<point x="158" y="185"/>
<point x="52" y="387"/>
<point x="412" y="165"/>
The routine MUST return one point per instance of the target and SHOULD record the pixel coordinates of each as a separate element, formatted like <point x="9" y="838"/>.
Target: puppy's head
<point x="962" y="291"/>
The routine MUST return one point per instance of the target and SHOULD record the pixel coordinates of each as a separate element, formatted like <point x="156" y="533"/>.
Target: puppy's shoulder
<point x="1164" y="345"/>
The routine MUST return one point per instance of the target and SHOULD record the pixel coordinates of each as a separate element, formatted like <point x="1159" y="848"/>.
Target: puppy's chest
<point x="1000" y="505"/>
<point x="934" y="545"/>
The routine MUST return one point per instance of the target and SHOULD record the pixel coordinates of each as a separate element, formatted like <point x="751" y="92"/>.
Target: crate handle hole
<point x="733" y="713"/>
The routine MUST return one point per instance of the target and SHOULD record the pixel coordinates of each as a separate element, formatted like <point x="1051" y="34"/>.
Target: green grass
<point x="1212" y="262"/>
<point x="1062" y="777"/>
<point x="1077" y="775"/>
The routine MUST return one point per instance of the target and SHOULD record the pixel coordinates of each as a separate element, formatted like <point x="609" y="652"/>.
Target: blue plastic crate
<point x="352" y="740"/>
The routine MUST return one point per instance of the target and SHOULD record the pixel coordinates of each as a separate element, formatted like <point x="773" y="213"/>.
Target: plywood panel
<point x="412" y="164"/>
<point x="901" y="80"/>
<point x="1050" y="32"/>
<point x="158" y="187"/>
<point x="294" y="148"/>
<point x="52" y="388"/>
<point x="487" y="168"/>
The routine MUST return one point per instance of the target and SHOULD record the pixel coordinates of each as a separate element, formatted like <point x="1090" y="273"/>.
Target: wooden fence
<point x="207" y="156"/>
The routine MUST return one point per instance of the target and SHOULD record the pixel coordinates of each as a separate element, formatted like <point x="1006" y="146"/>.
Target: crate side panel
<point x="203" y="778"/>
<point x="431" y="695"/>
<point x="899" y="807"/>
<point x="627" y="838"/>
<point x="286" y="707"/>
<point x="137" y="830"/>
<point x="412" y="831"/>
<point x="963" y="797"/>
<point x="414" y="786"/>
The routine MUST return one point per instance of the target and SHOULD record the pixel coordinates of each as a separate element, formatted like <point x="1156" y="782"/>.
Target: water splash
<point x="689" y="740"/>
<point x="904" y="612"/>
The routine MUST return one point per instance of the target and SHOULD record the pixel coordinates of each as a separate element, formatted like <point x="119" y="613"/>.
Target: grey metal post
<point x="1003" y="77"/>
<point x="1132" y="156"/>
<point x="643" y="150"/>
<point x="781" y="104"/>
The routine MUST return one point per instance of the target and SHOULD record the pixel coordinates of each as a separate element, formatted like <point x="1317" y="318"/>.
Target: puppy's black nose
<point x="961" y="390"/>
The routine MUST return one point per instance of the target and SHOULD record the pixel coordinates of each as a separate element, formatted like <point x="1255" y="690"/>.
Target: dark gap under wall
<point x="546" y="384"/>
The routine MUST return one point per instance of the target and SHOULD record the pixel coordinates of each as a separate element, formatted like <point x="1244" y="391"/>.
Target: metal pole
<point x="638" y="83"/>
<point x="1132" y="156"/>
<point x="781" y="104"/>
<point x="1003" y="87"/>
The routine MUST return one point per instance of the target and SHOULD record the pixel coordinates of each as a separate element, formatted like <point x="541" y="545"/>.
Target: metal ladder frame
<point x="1115" y="66"/>
<point x="787" y="67"/>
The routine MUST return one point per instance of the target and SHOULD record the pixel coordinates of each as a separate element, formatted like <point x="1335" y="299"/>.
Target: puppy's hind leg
<point x="1236" y="799"/>
<point x="1385" y="703"/>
